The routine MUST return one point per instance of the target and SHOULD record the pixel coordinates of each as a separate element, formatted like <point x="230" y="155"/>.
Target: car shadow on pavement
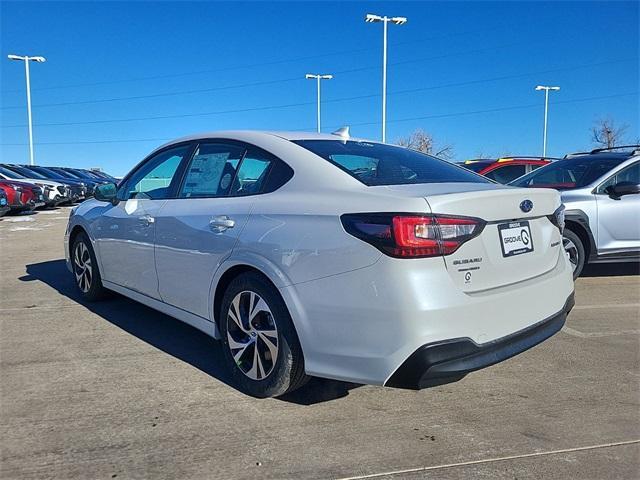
<point x="170" y="335"/>
<point x="611" y="269"/>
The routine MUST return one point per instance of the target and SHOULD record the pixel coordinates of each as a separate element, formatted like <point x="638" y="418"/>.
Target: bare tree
<point x="605" y="133"/>
<point x="423" y="142"/>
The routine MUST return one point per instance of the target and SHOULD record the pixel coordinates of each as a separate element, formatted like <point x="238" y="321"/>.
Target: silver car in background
<point x="312" y="254"/>
<point x="601" y="194"/>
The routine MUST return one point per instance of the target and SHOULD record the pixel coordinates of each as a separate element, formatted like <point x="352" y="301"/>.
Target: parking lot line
<point x="491" y="460"/>
<point x="616" y="305"/>
<point x="613" y="333"/>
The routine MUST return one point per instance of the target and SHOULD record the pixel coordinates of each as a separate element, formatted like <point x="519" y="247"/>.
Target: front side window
<point x="154" y="179"/>
<point x="379" y="164"/>
<point x="212" y="170"/>
<point x="630" y="175"/>
<point x="506" y="173"/>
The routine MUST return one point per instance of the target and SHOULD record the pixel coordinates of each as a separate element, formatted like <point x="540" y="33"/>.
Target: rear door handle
<point x="147" y="220"/>
<point x="221" y="223"/>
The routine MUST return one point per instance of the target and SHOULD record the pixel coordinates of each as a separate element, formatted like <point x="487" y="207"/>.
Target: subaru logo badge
<point x="526" y="206"/>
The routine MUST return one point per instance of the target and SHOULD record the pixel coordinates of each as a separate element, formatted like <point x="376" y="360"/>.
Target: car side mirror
<point x="623" y="188"/>
<point x="106" y="193"/>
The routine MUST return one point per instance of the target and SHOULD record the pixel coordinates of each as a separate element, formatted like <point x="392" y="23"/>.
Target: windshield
<point x="378" y="164"/>
<point x="65" y="174"/>
<point x="569" y="173"/>
<point x="10" y="173"/>
<point x="28" y="173"/>
<point x="80" y="174"/>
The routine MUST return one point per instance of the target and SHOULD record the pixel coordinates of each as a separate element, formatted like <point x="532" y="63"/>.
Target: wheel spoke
<point x="261" y="373"/>
<point x="271" y="345"/>
<point x="241" y="347"/>
<point x="253" y="371"/>
<point x="235" y="344"/>
<point x="259" y="306"/>
<point x="234" y="312"/>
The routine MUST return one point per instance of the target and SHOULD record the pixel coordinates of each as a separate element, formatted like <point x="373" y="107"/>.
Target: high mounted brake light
<point x="411" y="235"/>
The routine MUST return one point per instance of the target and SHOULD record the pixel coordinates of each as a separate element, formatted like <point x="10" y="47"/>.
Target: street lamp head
<point x="326" y="77"/>
<point x="309" y="76"/>
<point x="544" y="87"/>
<point x="399" y="20"/>
<point x="15" y="57"/>
<point x="38" y="59"/>
<point x="370" y="18"/>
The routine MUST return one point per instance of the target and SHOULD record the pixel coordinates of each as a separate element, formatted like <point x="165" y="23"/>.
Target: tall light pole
<point x="370" y="18"/>
<point x="546" y="110"/>
<point x="26" y="61"/>
<point x="317" y="77"/>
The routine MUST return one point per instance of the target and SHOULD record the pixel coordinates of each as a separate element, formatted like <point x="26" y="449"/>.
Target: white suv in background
<point x="311" y="254"/>
<point x="601" y="193"/>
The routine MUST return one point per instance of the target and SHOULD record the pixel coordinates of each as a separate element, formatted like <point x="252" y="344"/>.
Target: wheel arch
<point x="237" y="265"/>
<point x="578" y="222"/>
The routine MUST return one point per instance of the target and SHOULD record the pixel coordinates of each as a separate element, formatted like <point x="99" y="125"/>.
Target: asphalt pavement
<point x="117" y="390"/>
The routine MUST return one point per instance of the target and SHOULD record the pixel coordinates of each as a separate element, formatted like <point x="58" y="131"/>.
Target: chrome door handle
<point x="221" y="223"/>
<point x="147" y="220"/>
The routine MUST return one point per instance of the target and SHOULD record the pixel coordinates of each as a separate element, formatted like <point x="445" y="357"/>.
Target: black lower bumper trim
<point x="450" y="360"/>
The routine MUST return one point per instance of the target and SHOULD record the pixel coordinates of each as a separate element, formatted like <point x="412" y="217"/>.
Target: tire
<point x="85" y="269"/>
<point x="270" y="331"/>
<point x="574" y="247"/>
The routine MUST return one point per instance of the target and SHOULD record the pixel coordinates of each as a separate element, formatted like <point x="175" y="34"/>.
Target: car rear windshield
<point x="577" y="172"/>
<point x="378" y="164"/>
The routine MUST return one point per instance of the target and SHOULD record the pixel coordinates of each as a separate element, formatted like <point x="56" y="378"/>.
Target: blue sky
<point x="191" y="61"/>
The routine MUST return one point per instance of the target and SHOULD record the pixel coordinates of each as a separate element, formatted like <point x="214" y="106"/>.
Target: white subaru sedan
<point x="320" y="255"/>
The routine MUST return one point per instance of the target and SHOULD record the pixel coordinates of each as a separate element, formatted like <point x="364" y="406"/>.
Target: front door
<point x="619" y="219"/>
<point x="125" y="233"/>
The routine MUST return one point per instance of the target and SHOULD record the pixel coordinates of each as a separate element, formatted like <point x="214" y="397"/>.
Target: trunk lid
<point x="491" y="259"/>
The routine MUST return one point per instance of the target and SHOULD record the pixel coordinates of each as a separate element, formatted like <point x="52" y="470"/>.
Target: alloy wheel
<point x="572" y="252"/>
<point x="252" y="335"/>
<point x="82" y="266"/>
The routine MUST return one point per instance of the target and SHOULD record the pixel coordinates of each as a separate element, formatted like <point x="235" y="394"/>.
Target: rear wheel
<point x="260" y="343"/>
<point x="574" y="249"/>
<point x="85" y="269"/>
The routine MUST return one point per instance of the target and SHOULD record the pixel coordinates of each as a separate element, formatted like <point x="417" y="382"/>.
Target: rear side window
<point x="212" y="170"/>
<point x="378" y="164"/>
<point x="252" y="174"/>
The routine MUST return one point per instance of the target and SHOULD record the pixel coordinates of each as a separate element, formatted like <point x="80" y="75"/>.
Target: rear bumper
<point x="449" y="361"/>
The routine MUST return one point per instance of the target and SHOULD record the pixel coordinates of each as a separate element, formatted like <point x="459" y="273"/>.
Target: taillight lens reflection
<point x="413" y="236"/>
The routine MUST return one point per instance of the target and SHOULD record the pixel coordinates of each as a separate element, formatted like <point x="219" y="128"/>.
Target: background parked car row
<point x="28" y="187"/>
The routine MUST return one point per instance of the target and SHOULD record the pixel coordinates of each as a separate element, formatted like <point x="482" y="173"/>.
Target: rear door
<point x="198" y="230"/>
<point x="618" y="225"/>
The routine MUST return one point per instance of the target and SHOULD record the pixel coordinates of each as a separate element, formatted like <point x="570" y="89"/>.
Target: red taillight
<point x="412" y="236"/>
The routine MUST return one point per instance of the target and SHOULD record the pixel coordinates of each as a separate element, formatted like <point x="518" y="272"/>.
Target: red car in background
<point x="22" y="196"/>
<point x="505" y="169"/>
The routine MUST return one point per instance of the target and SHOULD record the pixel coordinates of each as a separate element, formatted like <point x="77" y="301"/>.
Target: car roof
<point x="600" y="155"/>
<point x="253" y="136"/>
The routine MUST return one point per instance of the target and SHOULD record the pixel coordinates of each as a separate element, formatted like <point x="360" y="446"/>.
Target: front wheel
<point x="574" y="249"/>
<point x="260" y="344"/>
<point x="85" y="269"/>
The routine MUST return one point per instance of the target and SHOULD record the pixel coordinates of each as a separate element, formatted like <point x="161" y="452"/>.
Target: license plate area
<point x="515" y="238"/>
